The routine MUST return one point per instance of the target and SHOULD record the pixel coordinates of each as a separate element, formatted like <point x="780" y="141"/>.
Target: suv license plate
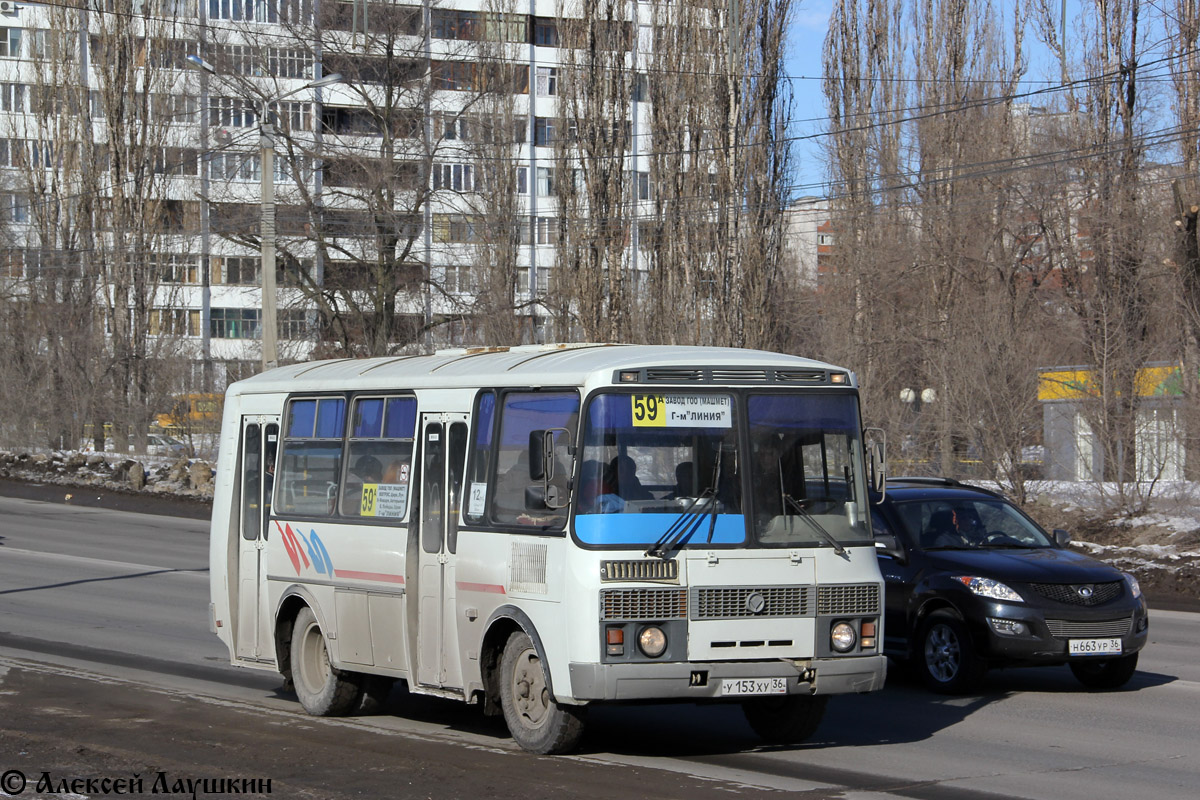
<point x="734" y="686"/>
<point x="1093" y="647"/>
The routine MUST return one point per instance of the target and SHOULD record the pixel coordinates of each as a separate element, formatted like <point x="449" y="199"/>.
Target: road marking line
<point x="188" y="571"/>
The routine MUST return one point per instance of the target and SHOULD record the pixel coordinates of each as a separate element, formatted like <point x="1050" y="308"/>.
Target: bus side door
<point x="443" y="461"/>
<point x="260" y="439"/>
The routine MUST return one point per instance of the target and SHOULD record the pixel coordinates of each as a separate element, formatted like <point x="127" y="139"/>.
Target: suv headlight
<point x="1135" y="588"/>
<point x="986" y="587"/>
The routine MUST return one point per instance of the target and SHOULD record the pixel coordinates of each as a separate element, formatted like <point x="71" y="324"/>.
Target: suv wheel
<point x="945" y="656"/>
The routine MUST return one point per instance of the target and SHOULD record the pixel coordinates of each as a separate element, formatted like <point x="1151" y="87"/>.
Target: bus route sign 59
<point x="682" y="411"/>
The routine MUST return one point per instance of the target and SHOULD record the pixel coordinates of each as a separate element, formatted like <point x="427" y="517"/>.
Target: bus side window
<point x="311" y="456"/>
<point x="380" y="457"/>
<point x="476" y="489"/>
<point x="522" y="413"/>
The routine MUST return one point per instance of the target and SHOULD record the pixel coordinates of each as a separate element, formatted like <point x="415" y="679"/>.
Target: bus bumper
<point x="706" y="681"/>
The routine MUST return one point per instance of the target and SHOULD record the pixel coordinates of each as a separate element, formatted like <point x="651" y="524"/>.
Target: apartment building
<point x="387" y="184"/>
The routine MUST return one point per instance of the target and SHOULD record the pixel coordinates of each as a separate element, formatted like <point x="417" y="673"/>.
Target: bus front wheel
<point x="321" y="689"/>
<point x="536" y="721"/>
<point x="787" y="719"/>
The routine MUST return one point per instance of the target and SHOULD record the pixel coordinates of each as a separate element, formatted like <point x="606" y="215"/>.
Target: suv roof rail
<point x="933" y="480"/>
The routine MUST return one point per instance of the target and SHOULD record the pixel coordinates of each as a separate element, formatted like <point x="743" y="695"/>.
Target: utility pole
<point x="270" y="328"/>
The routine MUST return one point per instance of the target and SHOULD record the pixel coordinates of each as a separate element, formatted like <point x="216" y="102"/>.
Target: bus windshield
<point x="719" y="467"/>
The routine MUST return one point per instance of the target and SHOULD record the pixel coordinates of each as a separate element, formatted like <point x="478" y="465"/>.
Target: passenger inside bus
<point x="629" y="487"/>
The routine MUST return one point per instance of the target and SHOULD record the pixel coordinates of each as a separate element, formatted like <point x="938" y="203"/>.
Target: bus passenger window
<point x="380" y="457"/>
<point x="311" y="457"/>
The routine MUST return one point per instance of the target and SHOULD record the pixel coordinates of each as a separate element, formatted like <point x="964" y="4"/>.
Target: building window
<point x="543" y="131"/>
<point x="235" y="323"/>
<point x="454" y="229"/>
<point x="10" y="43"/>
<point x="458" y="280"/>
<point x="545" y="32"/>
<point x="174" y="322"/>
<point x="242" y="270"/>
<point x="233" y="166"/>
<point x="455" y="177"/>
<point x="645" y="187"/>
<point x="824" y="239"/>
<point x="545" y="182"/>
<point x="178" y="268"/>
<point x="288" y="63"/>
<point x="547" y="231"/>
<point x="547" y="81"/>
<point x="12" y="97"/>
<point x="292" y="115"/>
<point x="14" y="207"/>
<point x="522" y="180"/>
<point x="231" y="112"/>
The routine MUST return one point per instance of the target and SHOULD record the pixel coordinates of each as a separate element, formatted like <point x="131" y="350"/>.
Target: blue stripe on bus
<point x="645" y="529"/>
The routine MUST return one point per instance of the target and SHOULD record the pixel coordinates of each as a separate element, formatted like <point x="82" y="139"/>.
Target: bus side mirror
<point x="877" y="461"/>
<point x="541" y="498"/>
<point x="541" y="449"/>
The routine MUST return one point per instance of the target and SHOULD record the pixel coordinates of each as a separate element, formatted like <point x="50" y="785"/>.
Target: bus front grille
<point x="643" y="604"/>
<point x="644" y="570"/>
<point x="733" y="602"/>
<point x="859" y="598"/>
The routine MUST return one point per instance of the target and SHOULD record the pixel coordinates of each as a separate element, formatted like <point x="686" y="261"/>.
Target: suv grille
<point x="730" y="602"/>
<point x="1064" y="628"/>
<point x="862" y="598"/>
<point x="643" y="604"/>
<point x="1069" y="592"/>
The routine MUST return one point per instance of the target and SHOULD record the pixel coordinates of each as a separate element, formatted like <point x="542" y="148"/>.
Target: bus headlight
<point x="652" y="641"/>
<point x="842" y="637"/>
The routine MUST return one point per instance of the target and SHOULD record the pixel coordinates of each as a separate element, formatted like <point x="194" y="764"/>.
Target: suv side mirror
<point x="887" y="544"/>
<point x="1061" y="537"/>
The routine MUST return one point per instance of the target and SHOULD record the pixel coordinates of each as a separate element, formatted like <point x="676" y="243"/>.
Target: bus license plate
<point x="1094" y="647"/>
<point x="734" y="686"/>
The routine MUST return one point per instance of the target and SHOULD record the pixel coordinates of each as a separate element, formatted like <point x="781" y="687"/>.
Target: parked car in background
<point x="162" y="445"/>
<point x="972" y="583"/>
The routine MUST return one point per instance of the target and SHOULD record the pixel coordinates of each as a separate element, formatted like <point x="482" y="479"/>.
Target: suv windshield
<point x="694" y="467"/>
<point x="968" y="523"/>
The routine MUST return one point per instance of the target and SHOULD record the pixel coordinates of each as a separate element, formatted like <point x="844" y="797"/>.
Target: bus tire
<point x="321" y="689"/>
<point x="536" y="721"/>
<point x="787" y="719"/>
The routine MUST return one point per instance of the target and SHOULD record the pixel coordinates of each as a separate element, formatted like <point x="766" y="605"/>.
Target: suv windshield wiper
<point x="683" y="527"/>
<point x="807" y="517"/>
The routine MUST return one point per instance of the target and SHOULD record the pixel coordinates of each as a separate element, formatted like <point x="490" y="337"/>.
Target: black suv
<point x="972" y="582"/>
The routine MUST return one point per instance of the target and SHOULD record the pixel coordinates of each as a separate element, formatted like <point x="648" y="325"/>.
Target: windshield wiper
<point x="682" y="528"/>
<point x="807" y="517"/>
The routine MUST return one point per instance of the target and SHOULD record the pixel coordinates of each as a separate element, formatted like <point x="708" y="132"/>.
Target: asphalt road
<point x="107" y="669"/>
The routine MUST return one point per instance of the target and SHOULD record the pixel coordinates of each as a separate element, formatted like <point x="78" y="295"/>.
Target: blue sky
<point x="805" y="40"/>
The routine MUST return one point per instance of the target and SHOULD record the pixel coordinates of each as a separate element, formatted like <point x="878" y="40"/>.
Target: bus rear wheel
<point x="788" y="719"/>
<point x="536" y="721"/>
<point x="321" y="689"/>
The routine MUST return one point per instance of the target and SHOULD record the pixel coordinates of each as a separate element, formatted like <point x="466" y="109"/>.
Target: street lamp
<point x="270" y="328"/>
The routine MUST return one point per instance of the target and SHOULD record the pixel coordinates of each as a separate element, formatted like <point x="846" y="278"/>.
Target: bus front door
<point x="443" y="459"/>
<point x="260" y="438"/>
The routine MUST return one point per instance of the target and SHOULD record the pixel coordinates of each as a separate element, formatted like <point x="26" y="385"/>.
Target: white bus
<point x="538" y="529"/>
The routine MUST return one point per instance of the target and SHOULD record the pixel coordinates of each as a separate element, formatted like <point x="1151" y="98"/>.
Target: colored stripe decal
<point x="490" y="588"/>
<point x="381" y="577"/>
